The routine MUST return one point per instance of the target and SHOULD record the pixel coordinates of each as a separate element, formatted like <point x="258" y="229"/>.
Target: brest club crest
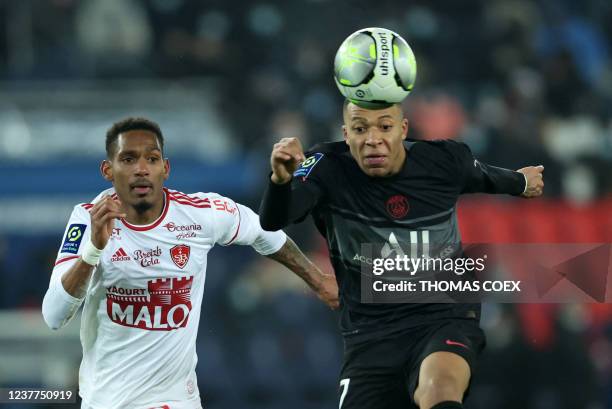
<point x="180" y="255"/>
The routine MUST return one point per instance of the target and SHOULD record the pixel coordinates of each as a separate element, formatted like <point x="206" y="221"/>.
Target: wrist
<point x="526" y="184"/>
<point x="279" y="181"/>
<point x="91" y="254"/>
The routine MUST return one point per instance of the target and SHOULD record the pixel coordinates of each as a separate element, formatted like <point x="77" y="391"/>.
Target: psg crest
<point x="180" y="255"/>
<point x="397" y="206"/>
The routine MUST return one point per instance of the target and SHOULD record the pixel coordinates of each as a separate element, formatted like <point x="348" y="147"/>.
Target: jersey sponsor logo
<point x="397" y="206"/>
<point x="115" y="234"/>
<point x="185" y="231"/>
<point x="73" y="238"/>
<point x="180" y="255"/>
<point x="120" y="255"/>
<point x="307" y="166"/>
<point x="148" y="258"/>
<point x="224" y="205"/>
<point x="182" y="227"/>
<point x="163" y="306"/>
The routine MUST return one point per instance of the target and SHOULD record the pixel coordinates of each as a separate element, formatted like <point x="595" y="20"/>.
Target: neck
<point x="401" y="158"/>
<point x="138" y="215"/>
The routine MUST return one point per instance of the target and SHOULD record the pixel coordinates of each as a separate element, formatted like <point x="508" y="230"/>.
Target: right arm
<point x="285" y="201"/>
<point x="86" y="236"/>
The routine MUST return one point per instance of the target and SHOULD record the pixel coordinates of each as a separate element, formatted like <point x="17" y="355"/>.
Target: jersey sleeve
<point x="238" y="224"/>
<point x="292" y="202"/>
<point x="59" y="307"/>
<point x="477" y="177"/>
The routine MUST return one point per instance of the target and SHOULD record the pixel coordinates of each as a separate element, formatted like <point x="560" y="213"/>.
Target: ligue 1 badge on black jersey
<point x="397" y="206"/>
<point x="306" y="167"/>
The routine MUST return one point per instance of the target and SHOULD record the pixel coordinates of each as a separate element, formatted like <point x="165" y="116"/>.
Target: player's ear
<point x="404" y="128"/>
<point x="107" y="170"/>
<point x="345" y="133"/>
<point x="166" y="168"/>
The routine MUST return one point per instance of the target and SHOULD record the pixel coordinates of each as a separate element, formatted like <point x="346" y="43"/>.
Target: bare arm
<point x="76" y="278"/>
<point x="323" y="284"/>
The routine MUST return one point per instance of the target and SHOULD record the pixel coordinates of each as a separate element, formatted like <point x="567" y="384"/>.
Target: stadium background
<point x="522" y="81"/>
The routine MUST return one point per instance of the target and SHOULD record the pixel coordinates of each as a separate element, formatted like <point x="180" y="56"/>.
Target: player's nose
<point x="142" y="167"/>
<point x="373" y="137"/>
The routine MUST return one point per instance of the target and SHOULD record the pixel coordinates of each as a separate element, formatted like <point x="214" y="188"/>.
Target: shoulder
<point x="329" y="148"/>
<point x="441" y="157"/>
<point x="442" y="148"/>
<point x="107" y="192"/>
<point x="198" y="200"/>
<point x="202" y="200"/>
<point x="321" y="158"/>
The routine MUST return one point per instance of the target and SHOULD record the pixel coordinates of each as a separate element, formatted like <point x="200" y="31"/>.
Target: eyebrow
<point x="132" y="152"/>
<point x="359" y="118"/>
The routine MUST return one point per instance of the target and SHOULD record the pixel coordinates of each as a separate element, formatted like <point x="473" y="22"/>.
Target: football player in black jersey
<point x="376" y="187"/>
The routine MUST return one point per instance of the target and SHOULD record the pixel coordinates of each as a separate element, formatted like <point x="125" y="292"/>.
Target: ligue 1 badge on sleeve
<point x="73" y="238"/>
<point x="307" y="166"/>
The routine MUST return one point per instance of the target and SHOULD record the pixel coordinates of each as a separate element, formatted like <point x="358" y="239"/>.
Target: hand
<point x="535" y="180"/>
<point x="103" y="216"/>
<point x="328" y="291"/>
<point x="285" y="158"/>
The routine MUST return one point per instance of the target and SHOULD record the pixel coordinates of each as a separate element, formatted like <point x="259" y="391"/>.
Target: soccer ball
<point x="374" y="68"/>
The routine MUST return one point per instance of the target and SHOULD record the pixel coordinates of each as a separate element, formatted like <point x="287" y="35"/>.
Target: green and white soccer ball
<point x="375" y="67"/>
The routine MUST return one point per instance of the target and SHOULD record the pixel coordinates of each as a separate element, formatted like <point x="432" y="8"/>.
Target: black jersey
<point x="412" y="208"/>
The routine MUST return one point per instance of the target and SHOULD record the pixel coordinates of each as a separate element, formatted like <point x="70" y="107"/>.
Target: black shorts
<point x="384" y="374"/>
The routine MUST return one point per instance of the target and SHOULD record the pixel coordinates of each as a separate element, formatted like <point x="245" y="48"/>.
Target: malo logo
<point x="180" y="255"/>
<point x="164" y="306"/>
<point x="397" y="206"/>
<point x="120" y="255"/>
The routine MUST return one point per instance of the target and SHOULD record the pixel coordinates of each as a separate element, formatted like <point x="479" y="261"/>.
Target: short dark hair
<point x="131" y="124"/>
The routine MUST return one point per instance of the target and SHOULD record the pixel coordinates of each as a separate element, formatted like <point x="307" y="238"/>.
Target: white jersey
<point x="142" y="307"/>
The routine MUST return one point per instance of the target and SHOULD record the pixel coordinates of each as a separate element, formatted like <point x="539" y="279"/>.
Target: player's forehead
<point x="355" y="113"/>
<point x="137" y="140"/>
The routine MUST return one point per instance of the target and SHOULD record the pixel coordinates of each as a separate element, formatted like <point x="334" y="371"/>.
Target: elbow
<point x="52" y="320"/>
<point x="53" y="326"/>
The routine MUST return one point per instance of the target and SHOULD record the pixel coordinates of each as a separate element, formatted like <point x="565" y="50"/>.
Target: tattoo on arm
<point x="292" y="257"/>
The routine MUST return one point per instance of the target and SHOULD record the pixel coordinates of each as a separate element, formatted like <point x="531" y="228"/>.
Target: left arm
<point x="478" y="177"/>
<point x="324" y="285"/>
<point x="237" y="224"/>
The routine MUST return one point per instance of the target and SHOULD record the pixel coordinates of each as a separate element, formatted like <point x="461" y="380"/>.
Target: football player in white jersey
<point x="136" y="257"/>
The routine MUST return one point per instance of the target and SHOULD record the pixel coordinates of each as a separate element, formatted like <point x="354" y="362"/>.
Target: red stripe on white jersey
<point x="181" y="195"/>
<point x="61" y="260"/>
<point x="187" y="203"/>
<point x="87" y="205"/>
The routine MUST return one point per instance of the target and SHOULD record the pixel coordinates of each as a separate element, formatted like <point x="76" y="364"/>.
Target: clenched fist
<point x="285" y="159"/>
<point x="103" y="216"/>
<point x="535" y="180"/>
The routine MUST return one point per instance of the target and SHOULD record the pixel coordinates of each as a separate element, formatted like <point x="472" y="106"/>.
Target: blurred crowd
<point x="523" y="82"/>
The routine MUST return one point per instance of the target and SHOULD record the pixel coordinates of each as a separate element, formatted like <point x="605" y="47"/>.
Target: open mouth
<point x="142" y="188"/>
